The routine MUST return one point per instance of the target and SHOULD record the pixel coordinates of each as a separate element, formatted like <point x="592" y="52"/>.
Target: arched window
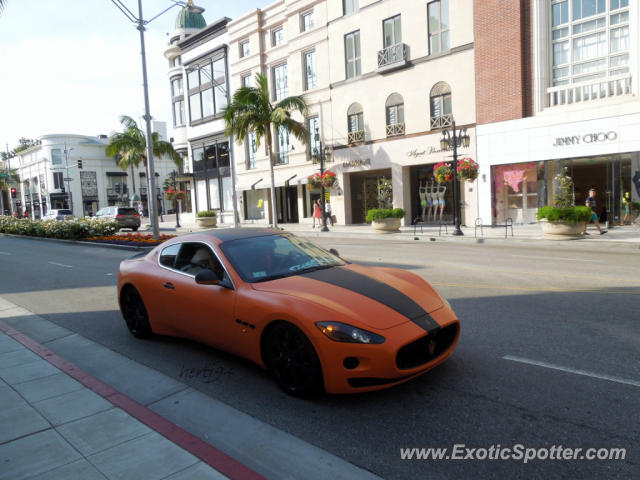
<point x="440" y="102"/>
<point x="355" y="119"/>
<point x="394" y="112"/>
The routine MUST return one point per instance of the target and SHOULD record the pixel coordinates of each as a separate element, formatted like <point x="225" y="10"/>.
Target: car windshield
<point x="259" y="259"/>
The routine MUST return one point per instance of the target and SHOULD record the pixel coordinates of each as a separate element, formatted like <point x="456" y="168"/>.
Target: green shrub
<point x="568" y="214"/>
<point x="74" y="228"/>
<point x="207" y="213"/>
<point x="380" y="213"/>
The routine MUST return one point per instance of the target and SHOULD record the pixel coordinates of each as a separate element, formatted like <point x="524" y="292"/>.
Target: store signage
<point x="361" y="162"/>
<point x="586" y="139"/>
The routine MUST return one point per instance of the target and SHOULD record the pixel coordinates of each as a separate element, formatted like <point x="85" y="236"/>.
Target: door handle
<point x="168" y="285"/>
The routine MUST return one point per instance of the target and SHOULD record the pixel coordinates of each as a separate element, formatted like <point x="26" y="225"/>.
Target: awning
<point x="116" y="174"/>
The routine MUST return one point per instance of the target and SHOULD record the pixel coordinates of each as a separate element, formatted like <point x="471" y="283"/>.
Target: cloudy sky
<point x="74" y="66"/>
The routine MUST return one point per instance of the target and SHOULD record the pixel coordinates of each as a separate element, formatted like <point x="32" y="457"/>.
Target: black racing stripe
<point x="378" y="291"/>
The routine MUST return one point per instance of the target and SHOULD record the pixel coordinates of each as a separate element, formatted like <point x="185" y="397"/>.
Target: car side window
<point x="196" y="257"/>
<point x="168" y="255"/>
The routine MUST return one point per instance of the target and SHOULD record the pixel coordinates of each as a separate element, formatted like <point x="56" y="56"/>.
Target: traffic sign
<point x="4" y="175"/>
<point x="68" y="179"/>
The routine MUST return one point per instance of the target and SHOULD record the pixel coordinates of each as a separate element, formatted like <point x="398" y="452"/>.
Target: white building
<point x="582" y="111"/>
<point x="73" y="171"/>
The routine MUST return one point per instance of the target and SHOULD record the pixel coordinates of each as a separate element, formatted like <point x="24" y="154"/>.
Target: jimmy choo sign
<point x="586" y="139"/>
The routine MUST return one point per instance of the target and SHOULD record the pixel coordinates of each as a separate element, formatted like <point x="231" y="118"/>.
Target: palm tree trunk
<point x="274" y="207"/>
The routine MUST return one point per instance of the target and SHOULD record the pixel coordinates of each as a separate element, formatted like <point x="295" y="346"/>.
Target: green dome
<point x="191" y="17"/>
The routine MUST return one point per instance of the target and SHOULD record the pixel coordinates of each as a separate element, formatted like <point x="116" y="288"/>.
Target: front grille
<point x="417" y="353"/>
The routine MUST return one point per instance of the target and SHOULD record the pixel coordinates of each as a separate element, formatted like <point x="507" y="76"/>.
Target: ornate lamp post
<point x="451" y="140"/>
<point x="320" y="154"/>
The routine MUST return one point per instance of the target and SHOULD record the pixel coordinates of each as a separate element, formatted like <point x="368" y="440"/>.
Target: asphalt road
<point x="549" y="355"/>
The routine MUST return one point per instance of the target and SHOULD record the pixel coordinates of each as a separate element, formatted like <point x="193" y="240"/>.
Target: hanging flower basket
<point x="329" y="179"/>
<point x="443" y="172"/>
<point x="314" y="181"/>
<point x="173" y="194"/>
<point x="467" y="169"/>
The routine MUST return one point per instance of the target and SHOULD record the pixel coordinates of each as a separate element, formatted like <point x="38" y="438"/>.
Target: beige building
<point x="287" y="42"/>
<point x="401" y="73"/>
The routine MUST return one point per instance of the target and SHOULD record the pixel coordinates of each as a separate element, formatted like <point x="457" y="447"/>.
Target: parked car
<point x="57" y="214"/>
<point x="127" y="217"/>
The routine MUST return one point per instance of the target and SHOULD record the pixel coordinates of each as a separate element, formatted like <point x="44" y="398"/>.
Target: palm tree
<point x="251" y="111"/>
<point x="129" y="148"/>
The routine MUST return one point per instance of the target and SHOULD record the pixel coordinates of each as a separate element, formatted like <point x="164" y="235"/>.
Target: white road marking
<point x="108" y="274"/>
<point x="554" y="258"/>
<point x="600" y="376"/>
<point x="60" y="265"/>
<point x="5" y="253"/>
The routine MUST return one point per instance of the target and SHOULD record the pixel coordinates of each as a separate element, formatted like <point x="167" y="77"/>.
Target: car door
<point x="203" y="312"/>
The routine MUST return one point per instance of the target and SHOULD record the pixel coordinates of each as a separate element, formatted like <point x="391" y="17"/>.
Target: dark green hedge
<point x="569" y="214"/>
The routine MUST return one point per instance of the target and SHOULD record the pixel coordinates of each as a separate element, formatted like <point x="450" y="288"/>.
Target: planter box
<point x="206" y="222"/>
<point x="386" y="225"/>
<point x="560" y="230"/>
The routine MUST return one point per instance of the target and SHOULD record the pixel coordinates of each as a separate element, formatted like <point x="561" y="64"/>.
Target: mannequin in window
<point x="440" y="191"/>
<point x="424" y="203"/>
<point x="433" y="208"/>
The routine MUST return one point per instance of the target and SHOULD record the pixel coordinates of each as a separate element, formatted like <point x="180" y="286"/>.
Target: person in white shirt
<point x="327" y="211"/>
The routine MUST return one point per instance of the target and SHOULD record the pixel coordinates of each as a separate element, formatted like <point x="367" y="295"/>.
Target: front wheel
<point x="292" y="360"/>
<point x="135" y="313"/>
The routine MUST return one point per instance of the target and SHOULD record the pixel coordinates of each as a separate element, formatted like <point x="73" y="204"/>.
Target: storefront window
<point x="515" y="192"/>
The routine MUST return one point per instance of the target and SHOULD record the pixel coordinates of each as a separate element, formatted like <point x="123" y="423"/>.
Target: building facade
<point x="199" y="77"/>
<point x="287" y="42"/>
<point x="73" y="172"/>
<point x="562" y="98"/>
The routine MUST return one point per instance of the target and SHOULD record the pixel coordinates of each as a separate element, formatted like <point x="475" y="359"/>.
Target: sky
<point x="74" y="66"/>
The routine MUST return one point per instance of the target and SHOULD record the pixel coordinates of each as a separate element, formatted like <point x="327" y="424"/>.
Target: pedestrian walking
<point x="317" y="213"/>
<point x="327" y="211"/>
<point x="591" y="203"/>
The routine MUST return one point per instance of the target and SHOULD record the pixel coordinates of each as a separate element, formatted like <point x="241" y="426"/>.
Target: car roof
<point x="228" y="234"/>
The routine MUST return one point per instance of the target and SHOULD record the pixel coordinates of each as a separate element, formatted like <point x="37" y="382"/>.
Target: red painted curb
<point x="206" y="452"/>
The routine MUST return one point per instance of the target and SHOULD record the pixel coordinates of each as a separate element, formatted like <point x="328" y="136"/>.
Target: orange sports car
<point x="312" y="319"/>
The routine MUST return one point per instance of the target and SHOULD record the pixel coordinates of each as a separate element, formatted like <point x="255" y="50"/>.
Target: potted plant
<point x="207" y="218"/>
<point x="443" y="172"/>
<point x="329" y="179"/>
<point x="467" y="169"/>
<point x="314" y="181"/>
<point x="562" y="220"/>
<point x="385" y="219"/>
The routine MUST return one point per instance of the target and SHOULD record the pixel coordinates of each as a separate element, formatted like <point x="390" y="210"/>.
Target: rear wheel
<point x="135" y="229"/>
<point x="292" y="360"/>
<point x="135" y="313"/>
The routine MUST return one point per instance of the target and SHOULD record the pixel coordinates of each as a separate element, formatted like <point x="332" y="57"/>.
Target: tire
<point x="135" y="313"/>
<point x="135" y="229"/>
<point x="292" y="360"/>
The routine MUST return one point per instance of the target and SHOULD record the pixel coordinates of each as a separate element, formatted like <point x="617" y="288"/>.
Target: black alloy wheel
<point x="135" y="313"/>
<point x="292" y="360"/>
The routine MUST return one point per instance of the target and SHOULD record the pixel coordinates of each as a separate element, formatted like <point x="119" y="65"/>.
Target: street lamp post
<point x="67" y="179"/>
<point x="320" y="154"/>
<point x="451" y="140"/>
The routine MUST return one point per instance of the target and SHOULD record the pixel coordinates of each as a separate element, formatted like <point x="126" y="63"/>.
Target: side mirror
<point x="334" y="251"/>
<point x="207" y="277"/>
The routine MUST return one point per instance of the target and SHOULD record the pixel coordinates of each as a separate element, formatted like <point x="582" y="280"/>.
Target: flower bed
<point x="131" y="239"/>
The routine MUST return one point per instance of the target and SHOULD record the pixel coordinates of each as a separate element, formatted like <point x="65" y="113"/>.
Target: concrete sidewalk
<point x="628" y="235"/>
<point x="55" y="427"/>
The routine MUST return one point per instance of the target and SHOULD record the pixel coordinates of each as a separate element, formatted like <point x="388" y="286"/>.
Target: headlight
<point x="341" y="332"/>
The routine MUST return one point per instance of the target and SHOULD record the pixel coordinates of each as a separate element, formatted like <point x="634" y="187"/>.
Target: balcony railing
<point x="587" y="91"/>
<point x="281" y="158"/>
<point x="442" y="121"/>
<point x="392" y="57"/>
<point x="356" y="136"/>
<point x="395" y="129"/>
<point x="143" y="191"/>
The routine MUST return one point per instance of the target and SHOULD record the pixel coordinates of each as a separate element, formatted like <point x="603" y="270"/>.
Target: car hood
<point x="380" y="298"/>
